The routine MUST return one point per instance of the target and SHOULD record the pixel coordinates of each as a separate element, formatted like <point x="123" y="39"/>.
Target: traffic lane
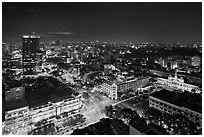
<point x="98" y="105"/>
<point x="94" y="114"/>
<point x="95" y="106"/>
<point x="95" y="102"/>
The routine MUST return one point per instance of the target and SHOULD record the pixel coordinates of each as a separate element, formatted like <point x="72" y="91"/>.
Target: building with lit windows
<point x="115" y="88"/>
<point x="185" y="103"/>
<point x="179" y="83"/>
<point x="26" y="114"/>
<point x="16" y="112"/>
<point x="31" y="55"/>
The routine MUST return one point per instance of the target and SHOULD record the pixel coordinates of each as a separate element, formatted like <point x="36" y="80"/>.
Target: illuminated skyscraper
<point x="31" y="55"/>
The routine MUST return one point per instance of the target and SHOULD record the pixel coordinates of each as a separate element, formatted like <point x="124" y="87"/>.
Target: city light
<point x="127" y="71"/>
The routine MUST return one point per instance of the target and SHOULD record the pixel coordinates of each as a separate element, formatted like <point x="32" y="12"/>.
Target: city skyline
<point x="111" y="22"/>
<point x="102" y="68"/>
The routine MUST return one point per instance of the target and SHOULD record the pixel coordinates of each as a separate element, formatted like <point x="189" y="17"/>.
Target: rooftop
<point x="15" y="105"/>
<point x="119" y="127"/>
<point x="104" y="127"/>
<point x="157" y="130"/>
<point x="13" y="83"/>
<point x="147" y="129"/>
<point x="48" y="94"/>
<point x="185" y="99"/>
<point x="119" y="81"/>
<point x="140" y="126"/>
<point x="51" y="91"/>
<point x="84" y="131"/>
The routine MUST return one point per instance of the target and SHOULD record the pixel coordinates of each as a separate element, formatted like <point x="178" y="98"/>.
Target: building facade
<point x="179" y="83"/>
<point x="17" y="121"/>
<point x="115" y="88"/>
<point x="24" y="120"/>
<point x="31" y="55"/>
<point x="173" y="108"/>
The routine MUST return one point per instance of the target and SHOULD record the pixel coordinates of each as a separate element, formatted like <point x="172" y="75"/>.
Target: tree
<point x="109" y="110"/>
<point x="127" y="112"/>
<point x="135" y="115"/>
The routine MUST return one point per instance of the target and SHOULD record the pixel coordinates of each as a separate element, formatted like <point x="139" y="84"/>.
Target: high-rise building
<point x="31" y="55"/>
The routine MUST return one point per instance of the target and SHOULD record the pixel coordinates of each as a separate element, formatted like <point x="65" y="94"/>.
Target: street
<point x="94" y="107"/>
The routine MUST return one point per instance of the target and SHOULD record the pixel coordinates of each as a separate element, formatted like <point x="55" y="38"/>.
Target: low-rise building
<point x="16" y="112"/>
<point x="17" y="119"/>
<point x="178" y="83"/>
<point x="185" y="103"/>
<point x="114" y="88"/>
<point x="23" y="114"/>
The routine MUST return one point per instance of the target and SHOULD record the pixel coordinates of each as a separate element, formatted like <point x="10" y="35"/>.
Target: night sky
<point x="111" y="22"/>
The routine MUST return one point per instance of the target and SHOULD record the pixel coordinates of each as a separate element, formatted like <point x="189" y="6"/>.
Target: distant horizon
<point x="128" y="42"/>
<point x="53" y="40"/>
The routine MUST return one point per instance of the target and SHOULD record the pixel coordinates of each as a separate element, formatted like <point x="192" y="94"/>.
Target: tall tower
<point x="30" y="54"/>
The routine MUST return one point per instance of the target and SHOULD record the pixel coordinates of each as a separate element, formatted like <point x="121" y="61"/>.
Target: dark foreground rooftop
<point x="143" y="128"/>
<point x="188" y="100"/>
<point x="104" y="127"/>
<point x="48" y="94"/>
<point x="37" y="96"/>
<point x="15" y="105"/>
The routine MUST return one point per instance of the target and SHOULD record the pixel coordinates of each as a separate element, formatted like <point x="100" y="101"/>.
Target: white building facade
<point x="22" y="120"/>
<point x="17" y="121"/>
<point x="114" y="88"/>
<point x="178" y="83"/>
